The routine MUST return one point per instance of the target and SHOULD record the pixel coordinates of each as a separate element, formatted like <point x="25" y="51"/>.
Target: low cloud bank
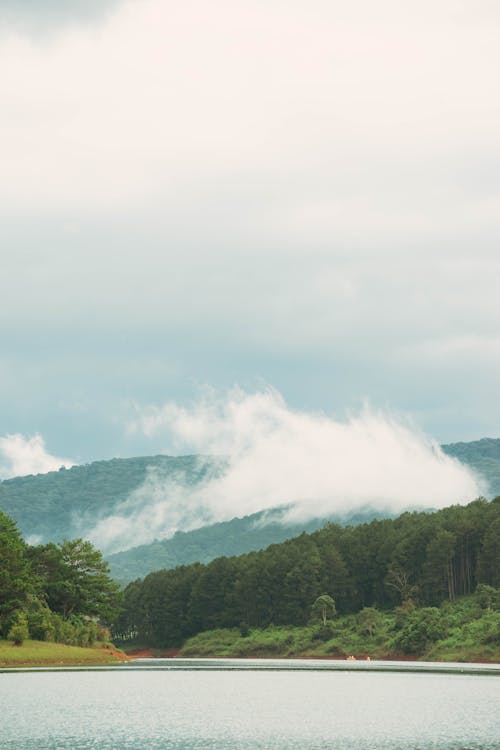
<point x="310" y="464"/>
<point x="21" y="455"/>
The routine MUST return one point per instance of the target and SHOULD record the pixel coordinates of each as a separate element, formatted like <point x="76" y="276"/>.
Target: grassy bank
<point x="44" y="654"/>
<point x="460" y="632"/>
<point x="283" y="642"/>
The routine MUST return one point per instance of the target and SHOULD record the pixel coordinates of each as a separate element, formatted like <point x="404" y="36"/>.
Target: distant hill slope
<point x="226" y="538"/>
<point x="481" y="455"/>
<point x="202" y="545"/>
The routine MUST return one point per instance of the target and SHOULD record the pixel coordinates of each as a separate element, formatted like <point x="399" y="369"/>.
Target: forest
<point x="54" y="592"/>
<point x="415" y="560"/>
<point x="387" y="575"/>
<point x="223" y="539"/>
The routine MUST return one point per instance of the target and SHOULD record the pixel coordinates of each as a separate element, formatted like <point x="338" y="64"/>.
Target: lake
<point x="231" y="705"/>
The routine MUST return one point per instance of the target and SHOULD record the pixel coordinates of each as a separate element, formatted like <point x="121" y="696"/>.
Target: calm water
<point x="187" y="709"/>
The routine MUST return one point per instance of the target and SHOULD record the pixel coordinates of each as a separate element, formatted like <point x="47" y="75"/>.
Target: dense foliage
<point x="226" y="538"/>
<point x="422" y="558"/>
<point x="57" y="592"/>
<point x="466" y="630"/>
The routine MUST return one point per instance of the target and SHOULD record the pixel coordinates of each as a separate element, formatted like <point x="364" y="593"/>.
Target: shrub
<point x="19" y="631"/>
<point x="368" y="620"/>
<point x="488" y="597"/>
<point x="40" y="624"/>
<point x="323" y="632"/>
<point x="402" y="613"/>
<point x="422" y="627"/>
<point x="335" y="648"/>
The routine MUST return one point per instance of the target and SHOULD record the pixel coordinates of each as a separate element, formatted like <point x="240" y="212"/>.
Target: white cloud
<point x="21" y="455"/>
<point x="282" y="457"/>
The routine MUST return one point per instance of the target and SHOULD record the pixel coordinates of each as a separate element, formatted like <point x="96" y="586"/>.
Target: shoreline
<point x="43" y="655"/>
<point x="152" y="654"/>
<point x="342" y="666"/>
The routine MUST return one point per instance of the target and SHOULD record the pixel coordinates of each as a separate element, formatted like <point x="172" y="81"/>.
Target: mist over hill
<point x="67" y="503"/>
<point x="83" y="499"/>
<point x="250" y="533"/>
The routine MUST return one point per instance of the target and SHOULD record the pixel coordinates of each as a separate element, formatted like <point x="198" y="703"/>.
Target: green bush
<point x="323" y="632"/>
<point x="402" y="613"/>
<point x="368" y="620"/>
<point x="422" y="628"/>
<point x="488" y="597"/>
<point x="40" y="621"/>
<point x="335" y="648"/>
<point x="19" y="631"/>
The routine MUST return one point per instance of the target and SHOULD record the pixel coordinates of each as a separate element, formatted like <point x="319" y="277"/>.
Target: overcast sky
<point x="298" y="194"/>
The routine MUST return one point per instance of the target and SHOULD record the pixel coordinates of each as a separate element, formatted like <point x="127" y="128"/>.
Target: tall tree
<point x="490" y="555"/>
<point x="76" y="580"/>
<point x="15" y="580"/>
<point x="324" y="605"/>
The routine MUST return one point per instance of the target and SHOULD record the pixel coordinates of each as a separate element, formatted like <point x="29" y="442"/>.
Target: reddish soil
<point x="145" y="653"/>
<point x="116" y="653"/>
<point x="153" y="653"/>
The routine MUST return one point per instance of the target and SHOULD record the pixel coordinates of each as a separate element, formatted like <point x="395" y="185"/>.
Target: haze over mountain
<point x="257" y="472"/>
<point x="259" y="530"/>
<point x="67" y="503"/>
<point x="243" y="453"/>
<point x="314" y="464"/>
<point x="80" y="500"/>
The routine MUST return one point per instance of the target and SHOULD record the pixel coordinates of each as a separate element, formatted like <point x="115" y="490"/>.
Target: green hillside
<point x="202" y="545"/>
<point x="225" y="538"/>
<point x="437" y="572"/>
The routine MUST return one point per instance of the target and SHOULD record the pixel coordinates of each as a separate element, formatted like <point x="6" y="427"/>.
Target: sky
<point x="298" y="196"/>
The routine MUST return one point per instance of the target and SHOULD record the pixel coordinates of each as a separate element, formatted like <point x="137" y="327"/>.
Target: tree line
<point x="54" y="592"/>
<point x="419" y="557"/>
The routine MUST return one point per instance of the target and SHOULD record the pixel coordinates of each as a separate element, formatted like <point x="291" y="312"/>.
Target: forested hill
<point x="225" y="538"/>
<point x="417" y="558"/>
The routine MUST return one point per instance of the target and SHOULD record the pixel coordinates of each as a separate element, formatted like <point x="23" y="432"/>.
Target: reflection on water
<point x="132" y="709"/>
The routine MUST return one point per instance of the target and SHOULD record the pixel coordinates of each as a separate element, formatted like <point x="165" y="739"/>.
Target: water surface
<point x="148" y="707"/>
